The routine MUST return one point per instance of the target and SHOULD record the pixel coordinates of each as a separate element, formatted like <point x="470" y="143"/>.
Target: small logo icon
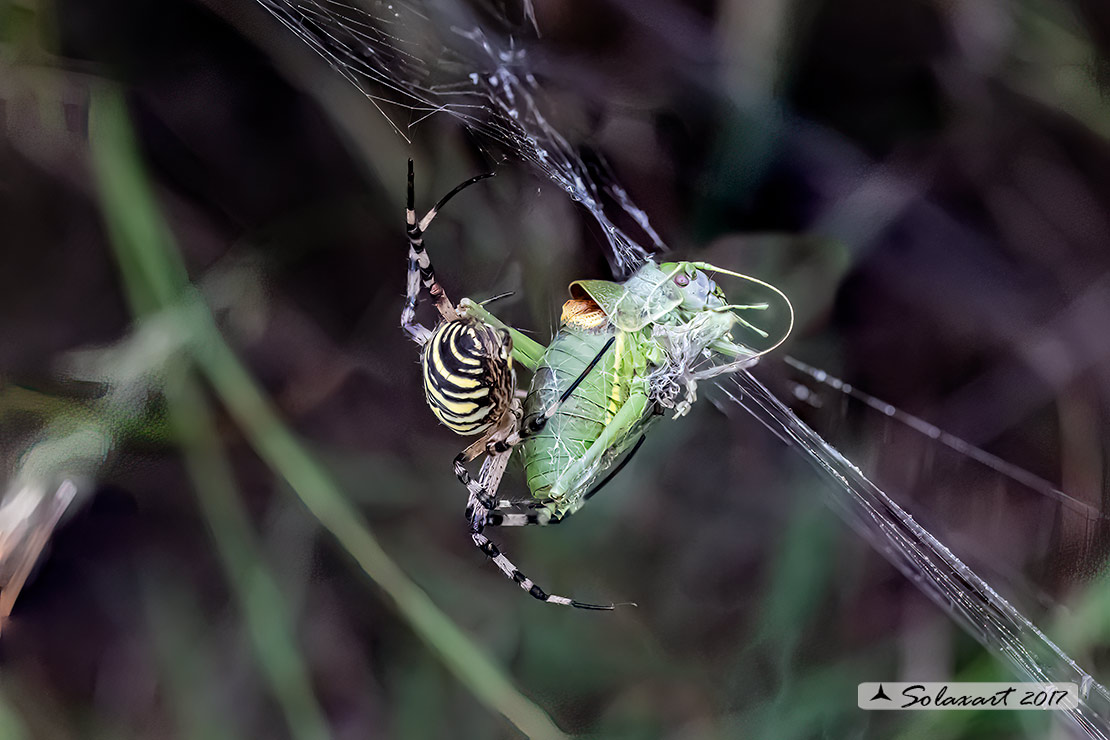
<point x="880" y="694"/>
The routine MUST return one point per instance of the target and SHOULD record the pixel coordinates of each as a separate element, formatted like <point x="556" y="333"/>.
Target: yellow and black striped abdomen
<point x="468" y="376"/>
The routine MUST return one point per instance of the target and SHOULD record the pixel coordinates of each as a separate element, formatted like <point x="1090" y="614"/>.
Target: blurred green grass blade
<point x="11" y="724"/>
<point x="155" y="277"/>
<point x="270" y="625"/>
<point x="801" y="577"/>
<point x="281" y="450"/>
<point x="183" y="657"/>
<point x="420" y="700"/>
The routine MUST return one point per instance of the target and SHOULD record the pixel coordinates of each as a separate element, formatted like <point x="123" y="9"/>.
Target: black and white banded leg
<point x="420" y="270"/>
<point x="506" y="566"/>
<point x="478" y="491"/>
<point x="522" y="514"/>
<point x="490" y="477"/>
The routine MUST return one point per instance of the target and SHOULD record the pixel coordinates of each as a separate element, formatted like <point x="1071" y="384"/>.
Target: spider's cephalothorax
<point x="623" y="353"/>
<point x="468" y="376"/>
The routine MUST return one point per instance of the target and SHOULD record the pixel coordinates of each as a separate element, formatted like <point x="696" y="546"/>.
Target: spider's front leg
<point x="420" y="270"/>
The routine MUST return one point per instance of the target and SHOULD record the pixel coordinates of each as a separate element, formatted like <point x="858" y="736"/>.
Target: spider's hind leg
<point x="482" y="492"/>
<point x="522" y="514"/>
<point x="506" y="566"/>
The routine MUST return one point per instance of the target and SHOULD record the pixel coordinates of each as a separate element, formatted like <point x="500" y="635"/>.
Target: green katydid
<point x="624" y="352"/>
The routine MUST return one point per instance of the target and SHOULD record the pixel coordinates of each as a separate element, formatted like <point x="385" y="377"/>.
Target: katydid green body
<point x="655" y="324"/>
<point x="553" y="459"/>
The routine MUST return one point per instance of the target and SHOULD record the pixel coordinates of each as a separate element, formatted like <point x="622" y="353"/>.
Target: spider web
<point x="936" y="571"/>
<point x="385" y="48"/>
<point x="413" y="61"/>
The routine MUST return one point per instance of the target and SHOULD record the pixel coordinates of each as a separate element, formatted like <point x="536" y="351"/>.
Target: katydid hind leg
<point x="532" y="513"/>
<point x="524" y="513"/>
<point x="616" y="469"/>
<point x="620" y="427"/>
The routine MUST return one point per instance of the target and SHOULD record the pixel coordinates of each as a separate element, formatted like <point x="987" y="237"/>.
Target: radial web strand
<point x="969" y="600"/>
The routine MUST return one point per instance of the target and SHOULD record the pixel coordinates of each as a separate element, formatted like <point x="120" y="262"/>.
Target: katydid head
<point x="698" y="291"/>
<point x="678" y="293"/>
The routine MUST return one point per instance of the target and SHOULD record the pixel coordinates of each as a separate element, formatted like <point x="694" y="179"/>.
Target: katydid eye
<point x="681" y="281"/>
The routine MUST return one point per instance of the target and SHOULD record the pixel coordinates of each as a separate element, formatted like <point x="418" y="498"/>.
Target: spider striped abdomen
<point x="468" y="378"/>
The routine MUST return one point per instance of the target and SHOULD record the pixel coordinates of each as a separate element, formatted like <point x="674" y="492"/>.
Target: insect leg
<point x="611" y="436"/>
<point x="743" y="358"/>
<point x="420" y="265"/>
<point x="532" y="512"/>
<point x="613" y="473"/>
<point x="526" y="350"/>
<point x="489" y="479"/>
<point x="538" y="422"/>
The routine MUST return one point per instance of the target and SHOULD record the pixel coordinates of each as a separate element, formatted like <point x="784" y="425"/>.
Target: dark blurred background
<point x="928" y="181"/>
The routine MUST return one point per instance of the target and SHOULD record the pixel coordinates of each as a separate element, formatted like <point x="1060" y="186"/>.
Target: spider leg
<point x="522" y="514"/>
<point x="493" y="468"/>
<point x="515" y="506"/>
<point x="511" y="571"/>
<point x="521" y="503"/>
<point x="420" y="271"/>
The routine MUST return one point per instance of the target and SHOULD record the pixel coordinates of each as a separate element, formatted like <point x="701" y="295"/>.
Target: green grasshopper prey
<point x="624" y="352"/>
